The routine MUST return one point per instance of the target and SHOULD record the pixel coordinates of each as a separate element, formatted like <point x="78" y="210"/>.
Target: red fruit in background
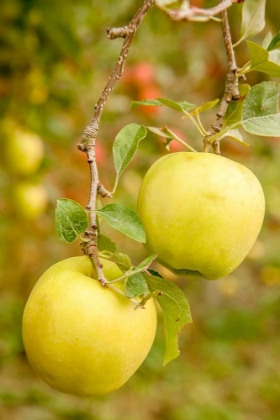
<point x="149" y="92"/>
<point x="100" y="152"/>
<point x="143" y="73"/>
<point x="174" y="145"/>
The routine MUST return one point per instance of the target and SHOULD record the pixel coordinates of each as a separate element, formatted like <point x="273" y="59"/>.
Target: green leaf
<point x="163" y="3"/>
<point x="202" y="108"/>
<point x="207" y="105"/>
<point x="260" y="111"/>
<point x="70" y="219"/>
<point x="253" y="19"/>
<point x="260" y="60"/>
<point x="181" y="106"/>
<point x="145" y="102"/>
<point x="125" y="146"/>
<point x="122" y="260"/>
<point x="155" y="273"/>
<point x="147" y="262"/>
<point x="234" y="110"/>
<point x="136" y="285"/>
<point x="275" y="43"/>
<point x="124" y="220"/>
<point x="162" y="132"/>
<point x="176" y="312"/>
<point x="236" y="136"/>
<point x="105" y="244"/>
<point x="265" y="126"/>
<point x="262" y="99"/>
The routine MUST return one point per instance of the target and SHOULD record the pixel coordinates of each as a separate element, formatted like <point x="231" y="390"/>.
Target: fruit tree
<point x="90" y="320"/>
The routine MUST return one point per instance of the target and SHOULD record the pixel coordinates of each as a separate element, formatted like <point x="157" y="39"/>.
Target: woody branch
<point x="87" y="144"/>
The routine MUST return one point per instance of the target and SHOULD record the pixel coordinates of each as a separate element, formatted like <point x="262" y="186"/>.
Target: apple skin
<point x="202" y="213"/>
<point x="83" y="338"/>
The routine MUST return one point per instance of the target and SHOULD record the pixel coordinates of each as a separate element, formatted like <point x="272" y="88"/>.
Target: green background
<point x="54" y="62"/>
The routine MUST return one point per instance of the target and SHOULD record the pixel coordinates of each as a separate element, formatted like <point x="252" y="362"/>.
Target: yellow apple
<point x="24" y="151"/>
<point x="30" y="199"/>
<point x="83" y="338"/>
<point x="202" y="213"/>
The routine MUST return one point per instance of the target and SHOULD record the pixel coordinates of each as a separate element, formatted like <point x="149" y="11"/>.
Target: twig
<point x="231" y="92"/>
<point x="87" y="144"/>
<point x="192" y="13"/>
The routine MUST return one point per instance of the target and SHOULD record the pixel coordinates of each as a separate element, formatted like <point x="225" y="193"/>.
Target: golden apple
<point x="24" y="151"/>
<point x="83" y="338"/>
<point x="202" y="212"/>
<point x="30" y="199"/>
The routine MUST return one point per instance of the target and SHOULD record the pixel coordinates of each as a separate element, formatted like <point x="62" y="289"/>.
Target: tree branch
<point x="231" y="92"/>
<point x="192" y="13"/>
<point x="87" y="144"/>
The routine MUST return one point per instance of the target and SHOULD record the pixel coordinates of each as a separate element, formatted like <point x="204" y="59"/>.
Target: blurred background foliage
<point x="54" y="62"/>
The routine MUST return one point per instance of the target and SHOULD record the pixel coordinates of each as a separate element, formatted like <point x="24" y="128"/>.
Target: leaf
<point x="70" y="219"/>
<point x="253" y="19"/>
<point x="105" y="244"/>
<point x="147" y="262"/>
<point x="124" y="220"/>
<point x="136" y="285"/>
<point x="122" y="260"/>
<point x="125" y="146"/>
<point x="181" y="106"/>
<point x="162" y="132"/>
<point x="206" y="106"/>
<point x="262" y="99"/>
<point x="202" y="108"/>
<point x="237" y="136"/>
<point x="260" y="60"/>
<point x="260" y="111"/>
<point x="155" y="273"/>
<point x="145" y="102"/>
<point x="162" y="3"/>
<point x="234" y="110"/>
<point x="267" y="40"/>
<point x="275" y="43"/>
<point x="266" y="126"/>
<point x="176" y="312"/>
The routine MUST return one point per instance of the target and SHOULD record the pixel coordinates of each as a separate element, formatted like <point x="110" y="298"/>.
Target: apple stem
<point x="231" y="92"/>
<point x="87" y="143"/>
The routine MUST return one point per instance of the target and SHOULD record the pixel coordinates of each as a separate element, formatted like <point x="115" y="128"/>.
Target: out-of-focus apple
<point x="23" y="151"/>
<point x="30" y="199"/>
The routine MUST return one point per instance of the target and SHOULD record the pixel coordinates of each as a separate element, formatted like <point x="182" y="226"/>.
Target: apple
<point x="202" y="213"/>
<point x="83" y="338"/>
<point x="23" y="151"/>
<point x="30" y="199"/>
